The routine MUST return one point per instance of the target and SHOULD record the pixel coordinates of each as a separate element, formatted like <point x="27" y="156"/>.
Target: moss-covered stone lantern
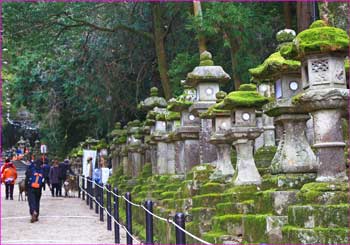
<point x="322" y="50"/>
<point x="148" y="105"/>
<point x="134" y="147"/>
<point x="243" y="104"/>
<point x="117" y="134"/>
<point x="294" y="154"/>
<point x="206" y="78"/>
<point x="186" y="135"/>
<point x="221" y="120"/>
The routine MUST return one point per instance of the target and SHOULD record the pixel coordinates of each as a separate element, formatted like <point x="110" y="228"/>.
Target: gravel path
<point x="61" y="221"/>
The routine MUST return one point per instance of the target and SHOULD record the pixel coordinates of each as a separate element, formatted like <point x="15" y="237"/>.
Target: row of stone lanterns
<point x="201" y="125"/>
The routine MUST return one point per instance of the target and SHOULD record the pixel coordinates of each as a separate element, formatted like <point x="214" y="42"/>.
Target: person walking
<point x="46" y="171"/>
<point x="54" y="176"/>
<point x="64" y="167"/>
<point x="33" y="185"/>
<point x="8" y="177"/>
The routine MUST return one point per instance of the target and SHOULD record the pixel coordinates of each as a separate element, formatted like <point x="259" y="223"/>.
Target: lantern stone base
<point x="294" y="154"/>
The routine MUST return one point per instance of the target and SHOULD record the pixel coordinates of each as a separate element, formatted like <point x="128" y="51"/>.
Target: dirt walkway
<point x="61" y="221"/>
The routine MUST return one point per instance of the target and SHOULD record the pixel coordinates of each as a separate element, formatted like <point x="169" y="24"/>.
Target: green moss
<point x="318" y="23"/>
<point x="160" y="117"/>
<point x="346" y="65"/>
<point x="230" y="223"/>
<point x="274" y="65"/>
<point x="206" y="63"/>
<point x="285" y="36"/>
<point x="247" y="87"/>
<point x="245" y="207"/>
<point x="146" y="170"/>
<point x="296" y="98"/>
<point x="286" y="181"/>
<point x="173" y="116"/>
<point x="264" y="155"/>
<point x="244" y="99"/>
<point x="310" y="216"/>
<point x="213" y="237"/>
<point x="211" y="188"/>
<point x="207" y="200"/>
<point x="167" y="194"/>
<point x="288" y="50"/>
<point x="321" y="39"/>
<point x="296" y="235"/>
<point x="255" y="228"/>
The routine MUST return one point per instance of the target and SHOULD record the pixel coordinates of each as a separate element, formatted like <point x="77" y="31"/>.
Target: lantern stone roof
<point x="216" y="109"/>
<point x="245" y="97"/>
<point x="206" y="72"/>
<point x="319" y="38"/>
<point x="153" y="101"/>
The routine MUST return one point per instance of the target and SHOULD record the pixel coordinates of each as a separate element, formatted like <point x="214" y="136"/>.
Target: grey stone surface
<point x="281" y="201"/>
<point x="294" y="154"/>
<point x="274" y="226"/>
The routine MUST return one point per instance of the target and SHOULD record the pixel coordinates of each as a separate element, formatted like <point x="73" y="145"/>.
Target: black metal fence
<point x="94" y="193"/>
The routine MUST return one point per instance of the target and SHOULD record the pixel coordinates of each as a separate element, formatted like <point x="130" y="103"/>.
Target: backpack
<point x="36" y="178"/>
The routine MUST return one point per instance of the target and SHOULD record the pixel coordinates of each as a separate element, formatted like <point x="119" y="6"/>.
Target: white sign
<point x="87" y="167"/>
<point x="43" y="149"/>
<point x="105" y="175"/>
<point x="103" y="152"/>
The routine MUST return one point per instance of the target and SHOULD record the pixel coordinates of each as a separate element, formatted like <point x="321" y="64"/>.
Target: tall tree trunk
<point x="197" y="9"/>
<point x="160" y="49"/>
<point x="234" y="47"/>
<point x="304" y="15"/>
<point x="287" y="15"/>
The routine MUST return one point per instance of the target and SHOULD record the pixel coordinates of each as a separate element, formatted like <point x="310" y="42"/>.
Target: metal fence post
<point x="179" y="219"/>
<point x="109" y="207"/>
<point x="116" y="216"/>
<point x="128" y="218"/>
<point x="83" y="186"/>
<point x="97" y="196"/>
<point x="149" y="222"/>
<point x="87" y="191"/>
<point x="101" y="203"/>
<point x="92" y="194"/>
<point x="78" y="182"/>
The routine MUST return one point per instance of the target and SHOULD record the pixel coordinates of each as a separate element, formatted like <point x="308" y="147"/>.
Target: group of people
<point x="38" y="174"/>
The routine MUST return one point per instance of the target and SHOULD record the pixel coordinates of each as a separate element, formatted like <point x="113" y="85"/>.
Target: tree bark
<point x="197" y="9"/>
<point x="287" y="15"/>
<point x="159" y="36"/>
<point x="304" y="15"/>
<point x="234" y="47"/>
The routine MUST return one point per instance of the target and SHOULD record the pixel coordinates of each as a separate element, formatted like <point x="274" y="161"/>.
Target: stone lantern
<point x="158" y="135"/>
<point x="243" y="105"/>
<point x="134" y="147"/>
<point x="123" y="140"/>
<point x="322" y="50"/>
<point x="206" y="78"/>
<point x="117" y="135"/>
<point x="148" y="105"/>
<point x="294" y="154"/>
<point x="221" y="120"/>
<point x="186" y="134"/>
<point x="172" y="123"/>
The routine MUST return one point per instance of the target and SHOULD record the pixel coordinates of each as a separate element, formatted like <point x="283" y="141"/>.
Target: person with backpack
<point x="33" y="184"/>
<point x="54" y="179"/>
<point x="8" y="177"/>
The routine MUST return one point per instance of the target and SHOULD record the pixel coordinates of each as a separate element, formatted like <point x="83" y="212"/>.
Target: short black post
<point x="101" y="202"/>
<point x="128" y="218"/>
<point x="92" y="194"/>
<point x="83" y="186"/>
<point x="97" y="196"/>
<point x="116" y="216"/>
<point x="109" y="207"/>
<point x="179" y="219"/>
<point x="78" y="183"/>
<point x="149" y="222"/>
<point x="88" y="191"/>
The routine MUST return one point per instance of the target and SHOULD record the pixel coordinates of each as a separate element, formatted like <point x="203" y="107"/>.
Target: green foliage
<point x="247" y="87"/>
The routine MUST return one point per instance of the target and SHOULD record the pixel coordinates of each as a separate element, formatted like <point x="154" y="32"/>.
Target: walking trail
<point x="61" y="221"/>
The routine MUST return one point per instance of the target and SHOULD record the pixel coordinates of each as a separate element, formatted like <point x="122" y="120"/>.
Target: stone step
<point x="324" y="193"/>
<point x="202" y="214"/>
<point x="211" y="187"/>
<point x="318" y="235"/>
<point x="228" y="224"/>
<point x="286" y="181"/>
<point x="311" y="216"/>
<point x="245" y="207"/>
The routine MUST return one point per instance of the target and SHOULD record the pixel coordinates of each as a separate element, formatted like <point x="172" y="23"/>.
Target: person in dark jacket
<point x="46" y="170"/>
<point x="33" y="185"/>
<point x="64" y="167"/>
<point x="54" y="176"/>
